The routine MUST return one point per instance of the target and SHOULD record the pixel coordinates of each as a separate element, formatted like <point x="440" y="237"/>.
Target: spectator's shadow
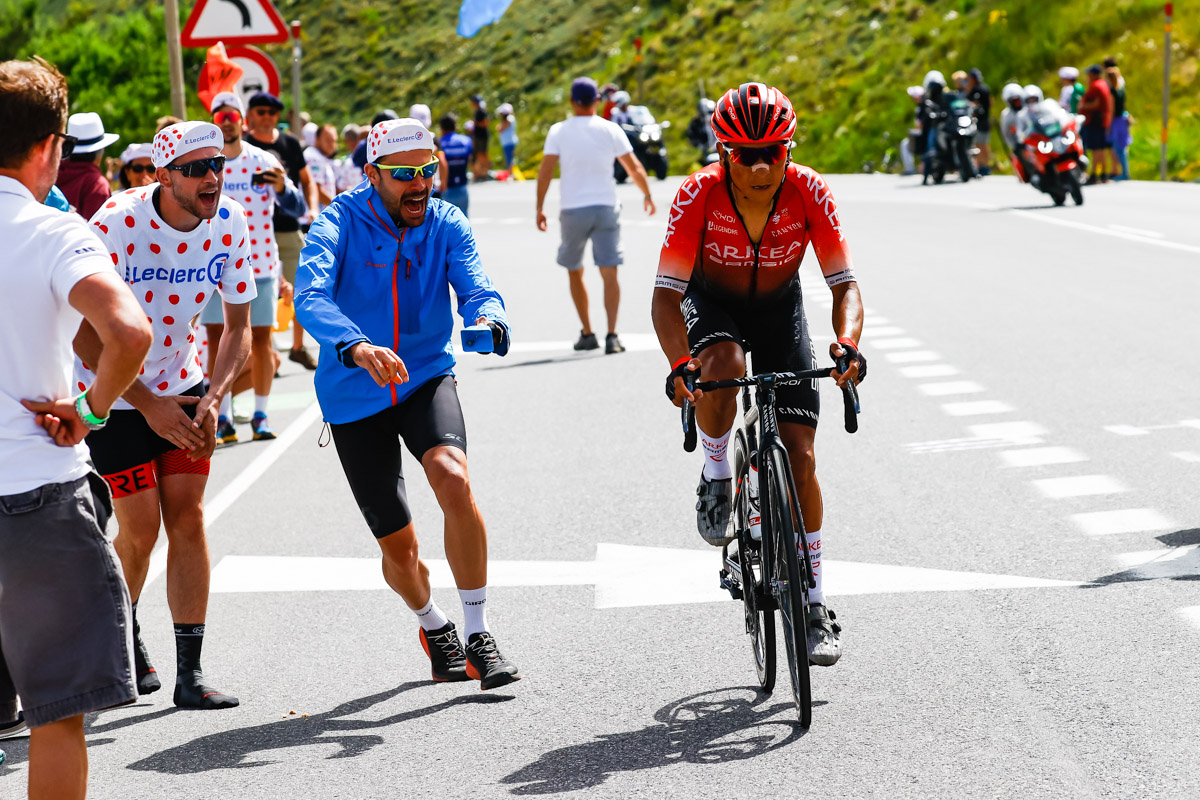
<point x="236" y="748"/>
<point x="709" y="728"/>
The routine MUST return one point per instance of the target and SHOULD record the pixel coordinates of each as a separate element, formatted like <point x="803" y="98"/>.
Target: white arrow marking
<point x="624" y="576"/>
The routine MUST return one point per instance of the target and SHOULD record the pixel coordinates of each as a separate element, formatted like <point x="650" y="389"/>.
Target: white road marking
<point x="1173" y="562"/>
<point x="869" y="324"/>
<point x="1083" y="226"/>
<point x="911" y="356"/>
<point x="213" y="509"/>
<point x="634" y="342"/>
<point x="1126" y="520"/>
<point x="1023" y="432"/>
<point x="929" y="371"/>
<point x="624" y="576"/>
<point x="1191" y="458"/>
<point x="949" y="388"/>
<point x="1041" y="456"/>
<point x="887" y="330"/>
<point x="1191" y="615"/>
<point x="895" y="344"/>
<point x="1126" y="430"/>
<point x="1138" y="231"/>
<point x="1078" y="486"/>
<point x="975" y="408"/>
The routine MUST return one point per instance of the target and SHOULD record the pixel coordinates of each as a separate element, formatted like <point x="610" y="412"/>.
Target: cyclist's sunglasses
<point x="140" y="168"/>
<point x="69" y="142"/>
<point x="407" y="174"/>
<point x="749" y="156"/>
<point x="221" y="117"/>
<point x="200" y="167"/>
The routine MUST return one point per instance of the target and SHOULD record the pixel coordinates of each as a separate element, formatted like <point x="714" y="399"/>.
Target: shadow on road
<point x="237" y="748"/>
<point x="1186" y="568"/>
<point x="710" y="728"/>
<point x="540" y="362"/>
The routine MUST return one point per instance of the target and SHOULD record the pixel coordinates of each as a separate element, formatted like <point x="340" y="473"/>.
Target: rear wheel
<point x="760" y="616"/>
<point x="1074" y="187"/>
<point x="1058" y="196"/>
<point x="788" y="582"/>
<point x="965" y="170"/>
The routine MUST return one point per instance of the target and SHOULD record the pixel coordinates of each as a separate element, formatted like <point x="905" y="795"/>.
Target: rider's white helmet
<point x="621" y="98"/>
<point x="1034" y="91"/>
<point x="1011" y="92"/>
<point x="933" y="77"/>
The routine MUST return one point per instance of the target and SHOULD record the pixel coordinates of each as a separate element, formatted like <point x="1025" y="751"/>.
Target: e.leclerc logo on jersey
<point x="211" y="273"/>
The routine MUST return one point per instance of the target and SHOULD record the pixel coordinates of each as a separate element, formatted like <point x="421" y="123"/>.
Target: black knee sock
<point x="190" y="689"/>
<point x="144" y="672"/>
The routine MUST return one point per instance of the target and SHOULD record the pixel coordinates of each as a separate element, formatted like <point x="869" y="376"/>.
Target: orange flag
<point x="220" y="74"/>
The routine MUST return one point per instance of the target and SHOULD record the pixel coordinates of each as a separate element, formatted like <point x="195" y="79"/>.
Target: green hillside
<point x="844" y="63"/>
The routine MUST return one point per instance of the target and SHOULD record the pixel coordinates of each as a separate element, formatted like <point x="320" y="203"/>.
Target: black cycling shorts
<point x="775" y="330"/>
<point x="132" y="457"/>
<point x="369" y="449"/>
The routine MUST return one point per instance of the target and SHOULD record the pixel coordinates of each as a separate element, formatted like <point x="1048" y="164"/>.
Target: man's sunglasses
<point x="221" y="117"/>
<point x="69" y="142"/>
<point x="200" y="167"/>
<point x="265" y="111"/>
<point x="407" y="174"/>
<point x="140" y="168"/>
<point x="749" y="156"/>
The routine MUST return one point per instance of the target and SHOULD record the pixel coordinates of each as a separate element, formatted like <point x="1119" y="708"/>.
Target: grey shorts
<point x="601" y="224"/>
<point x="64" y="617"/>
<point x="262" y="307"/>
<point x="290" y="244"/>
<point x="983" y="136"/>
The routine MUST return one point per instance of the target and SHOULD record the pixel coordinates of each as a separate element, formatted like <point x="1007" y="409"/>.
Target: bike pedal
<point x="735" y="591"/>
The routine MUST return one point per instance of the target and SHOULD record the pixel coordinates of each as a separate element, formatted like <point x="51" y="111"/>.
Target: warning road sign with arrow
<point x="233" y="22"/>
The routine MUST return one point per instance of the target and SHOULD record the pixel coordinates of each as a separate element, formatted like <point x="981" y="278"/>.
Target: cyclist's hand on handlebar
<point x="857" y="371"/>
<point x="384" y="365"/>
<point x="677" y="390"/>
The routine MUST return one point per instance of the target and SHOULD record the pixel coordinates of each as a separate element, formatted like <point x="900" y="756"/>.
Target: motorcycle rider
<point x="620" y="114"/>
<point x="699" y="132"/>
<point x="912" y="141"/>
<point x="932" y="113"/>
<point x="1014" y="100"/>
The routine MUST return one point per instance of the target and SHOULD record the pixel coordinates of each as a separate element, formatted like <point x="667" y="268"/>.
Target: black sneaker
<point x="147" y="677"/>
<point x="14" y="728"/>
<point x="612" y="344"/>
<point x="445" y="653"/>
<point x="302" y="357"/>
<point x="587" y="341"/>
<point x="485" y="663"/>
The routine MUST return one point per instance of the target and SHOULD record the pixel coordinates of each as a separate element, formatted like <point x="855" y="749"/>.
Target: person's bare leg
<point x="262" y="359"/>
<point x="580" y="296"/>
<point x="137" y="533"/>
<point x="715" y="410"/>
<point x="466" y="535"/>
<point x="297" y="334"/>
<point x="798" y="439"/>
<point x="612" y="296"/>
<point x="403" y="569"/>
<point x="187" y="546"/>
<point x="58" y="762"/>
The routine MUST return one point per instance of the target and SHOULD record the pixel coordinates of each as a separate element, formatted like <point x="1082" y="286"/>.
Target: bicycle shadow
<point x="1184" y="567"/>
<point x="713" y="727"/>
<point x="235" y="749"/>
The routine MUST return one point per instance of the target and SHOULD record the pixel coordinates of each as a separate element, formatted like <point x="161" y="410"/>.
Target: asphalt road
<point x="1031" y="412"/>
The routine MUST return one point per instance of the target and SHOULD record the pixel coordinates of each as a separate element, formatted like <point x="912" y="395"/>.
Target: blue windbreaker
<point x="360" y="279"/>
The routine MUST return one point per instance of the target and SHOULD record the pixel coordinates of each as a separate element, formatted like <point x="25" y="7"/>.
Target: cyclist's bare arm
<point x="672" y="336"/>
<point x="847" y="323"/>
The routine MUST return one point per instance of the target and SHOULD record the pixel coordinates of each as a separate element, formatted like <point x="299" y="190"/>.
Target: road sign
<point x="259" y="72"/>
<point x="233" y="22"/>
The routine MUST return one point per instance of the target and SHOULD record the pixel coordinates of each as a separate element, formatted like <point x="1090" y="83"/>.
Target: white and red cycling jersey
<point x="707" y="241"/>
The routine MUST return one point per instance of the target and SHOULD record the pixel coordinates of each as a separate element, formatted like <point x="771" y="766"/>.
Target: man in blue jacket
<point x="373" y="288"/>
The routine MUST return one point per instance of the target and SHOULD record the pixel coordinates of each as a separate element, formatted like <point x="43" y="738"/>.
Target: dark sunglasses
<point x="200" y="167"/>
<point x="749" y="156"/>
<point x="221" y="117"/>
<point x="407" y="174"/>
<point x="140" y="168"/>
<point x="69" y="142"/>
<point x="264" y="111"/>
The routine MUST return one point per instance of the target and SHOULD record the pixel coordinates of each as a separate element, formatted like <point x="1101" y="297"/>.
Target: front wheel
<point x="788" y="582"/>
<point x="965" y="170"/>
<point x="1074" y="187"/>
<point x="760" y="616"/>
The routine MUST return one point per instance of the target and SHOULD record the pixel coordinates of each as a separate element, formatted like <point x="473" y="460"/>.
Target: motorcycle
<point x="955" y="139"/>
<point x="1055" y="149"/>
<point x="646" y="136"/>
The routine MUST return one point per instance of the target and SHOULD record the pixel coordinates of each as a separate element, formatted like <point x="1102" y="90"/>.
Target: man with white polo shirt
<point x="585" y="146"/>
<point x="65" y="616"/>
<point x="373" y="287"/>
<point x="254" y="178"/>
<point x="175" y="242"/>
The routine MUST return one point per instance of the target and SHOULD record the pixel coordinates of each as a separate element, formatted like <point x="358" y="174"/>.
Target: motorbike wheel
<point x="939" y="175"/>
<point x="660" y="171"/>
<point x="1058" y="196"/>
<point x="965" y="170"/>
<point x="1074" y="187"/>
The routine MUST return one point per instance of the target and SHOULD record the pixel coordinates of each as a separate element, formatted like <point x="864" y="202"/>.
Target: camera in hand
<point x="259" y="178"/>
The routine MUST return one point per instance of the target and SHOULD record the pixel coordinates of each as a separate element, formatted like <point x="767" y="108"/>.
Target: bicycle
<point x="765" y="573"/>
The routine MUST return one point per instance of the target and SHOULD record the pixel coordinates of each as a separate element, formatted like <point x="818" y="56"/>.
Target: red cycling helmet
<point x="753" y="114"/>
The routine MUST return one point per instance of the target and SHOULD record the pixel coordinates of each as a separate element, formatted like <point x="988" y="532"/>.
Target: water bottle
<point x="753" y="514"/>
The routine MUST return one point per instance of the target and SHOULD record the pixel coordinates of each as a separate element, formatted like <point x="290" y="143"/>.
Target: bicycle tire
<point x="759" y="616"/>
<point x="787" y="581"/>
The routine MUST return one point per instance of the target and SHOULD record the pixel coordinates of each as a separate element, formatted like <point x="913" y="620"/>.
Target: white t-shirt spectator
<point x="324" y="174"/>
<point x="259" y="202"/>
<point x="46" y="252"/>
<point x="348" y="174"/>
<point x="586" y="148"/>
<point x="172" y="274"/>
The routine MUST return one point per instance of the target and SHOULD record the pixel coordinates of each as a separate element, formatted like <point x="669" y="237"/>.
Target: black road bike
<point x="767" y="573"/>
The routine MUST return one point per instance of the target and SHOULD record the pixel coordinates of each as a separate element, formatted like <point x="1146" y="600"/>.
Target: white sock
<point x="431" y="617"/>
<point x="474" y="602"/>
<point x="716" y="461"/>
<point x="260" y="403"/>
<point x="227" y="407"/>
<point x="816" y="596"/>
